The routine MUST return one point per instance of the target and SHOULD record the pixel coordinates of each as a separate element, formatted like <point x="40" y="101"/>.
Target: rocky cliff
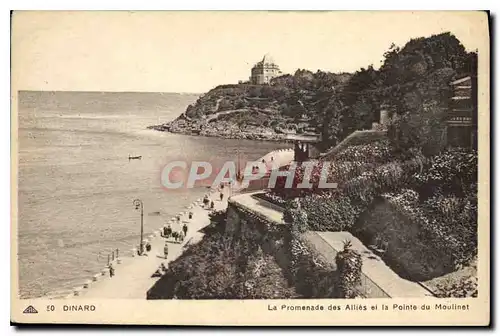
<point x="268" y="112"/>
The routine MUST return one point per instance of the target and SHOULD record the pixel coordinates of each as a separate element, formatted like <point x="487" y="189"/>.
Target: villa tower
<point x="264" y="71"/>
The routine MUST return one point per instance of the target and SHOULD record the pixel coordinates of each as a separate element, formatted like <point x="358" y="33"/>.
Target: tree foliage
<point x="413" y="81"/>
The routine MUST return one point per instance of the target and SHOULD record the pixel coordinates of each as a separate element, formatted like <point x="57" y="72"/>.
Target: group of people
<point x="146" y="247"/>
<point x="208" y="203"/>
<point x="177" y="236"/>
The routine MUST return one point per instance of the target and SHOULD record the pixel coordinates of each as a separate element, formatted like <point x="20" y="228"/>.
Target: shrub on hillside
<point x="452" y="171"/>
<point x="262" y="279"/>
<point x="358" y="185"/>
<point x="349" y="264"/>
<point x="461" y="289"/>
<point x="335" y="212"/>
<point x="448" y="223"/>
<point x="218" y="219"/>
<point x="222" y="268"/>
<point x="339" y="172"/>
<point x="452" y="222"/>
<point x="376" y="152"/>
<point x="295" y="216"/>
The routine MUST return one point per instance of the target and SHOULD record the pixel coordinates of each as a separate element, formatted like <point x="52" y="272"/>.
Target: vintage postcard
<point x="250" y="168"/>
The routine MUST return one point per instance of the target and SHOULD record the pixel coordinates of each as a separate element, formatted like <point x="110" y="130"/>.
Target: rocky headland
<point x="288" y="105"/>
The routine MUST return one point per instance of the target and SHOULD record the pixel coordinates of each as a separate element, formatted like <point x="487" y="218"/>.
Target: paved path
<point x="258" y="207"/>
<point x="133" y="276"/>
<point x="375" y="268"/>
<point x="281" y="157"/>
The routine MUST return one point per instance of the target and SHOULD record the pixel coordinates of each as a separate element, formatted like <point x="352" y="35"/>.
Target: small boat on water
<point x="134" y="157"/>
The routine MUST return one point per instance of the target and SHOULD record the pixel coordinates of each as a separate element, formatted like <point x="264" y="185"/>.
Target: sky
<point x="195" y="51"/>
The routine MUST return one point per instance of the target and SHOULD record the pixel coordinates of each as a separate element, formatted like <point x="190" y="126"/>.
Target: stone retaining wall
<point x="407" y="251"/>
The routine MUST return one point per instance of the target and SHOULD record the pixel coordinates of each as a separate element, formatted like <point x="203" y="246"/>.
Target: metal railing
<point x="110" y="257"/>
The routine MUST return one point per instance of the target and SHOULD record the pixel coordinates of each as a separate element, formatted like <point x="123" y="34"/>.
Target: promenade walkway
<point x="258" y="207"/>
<point x="132" y="277"/>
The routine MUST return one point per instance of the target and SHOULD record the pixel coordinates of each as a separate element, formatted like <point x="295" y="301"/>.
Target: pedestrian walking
<point x="185" y="229"/>
<point x="212" y="204"/>
<point x="221" y="196"/>
<point x="181" y="237"/>
<point x="165" y="250"/>
<point x="168" y="231"/>
<point x="111" y="271"/>
<point x="175" y="235"/>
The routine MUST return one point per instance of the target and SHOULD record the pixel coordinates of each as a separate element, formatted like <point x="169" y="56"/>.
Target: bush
<point x="218" y="219"/>
<point x="295" y="216"/>
<point x="349" y="264"/>
<point x="378" y="152"/>
<point x="461" y="289"/>
<point x="220" y="267"/>
<point x="452" y="222"/>
<point x="453" y="171"/>
<point x="448" y="223"/>
<point x="359" y="184"/>
<point x="239" y="103"/>
<point x="331" y="212"/>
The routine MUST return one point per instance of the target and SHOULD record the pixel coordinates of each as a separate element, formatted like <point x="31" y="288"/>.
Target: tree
<point x="421" y="115"/>
<point x="331" y="128"/>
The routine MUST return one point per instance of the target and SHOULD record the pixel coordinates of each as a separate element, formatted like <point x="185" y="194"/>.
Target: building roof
<point x="268" y="59"/>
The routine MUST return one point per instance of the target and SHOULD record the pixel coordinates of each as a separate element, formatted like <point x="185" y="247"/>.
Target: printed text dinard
<point x="365" y="307"/>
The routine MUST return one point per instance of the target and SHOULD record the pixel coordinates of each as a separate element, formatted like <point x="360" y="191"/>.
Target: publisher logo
<point x="30" y="310"/>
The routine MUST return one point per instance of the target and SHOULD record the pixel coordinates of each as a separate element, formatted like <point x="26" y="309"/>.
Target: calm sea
<point x="76" y="184"/>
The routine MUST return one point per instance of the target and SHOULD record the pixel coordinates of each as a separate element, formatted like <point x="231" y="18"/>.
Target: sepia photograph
<point x="299" y="165"/>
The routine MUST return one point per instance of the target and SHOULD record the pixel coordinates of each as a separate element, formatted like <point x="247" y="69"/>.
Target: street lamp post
<point x="138" y="204"/>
